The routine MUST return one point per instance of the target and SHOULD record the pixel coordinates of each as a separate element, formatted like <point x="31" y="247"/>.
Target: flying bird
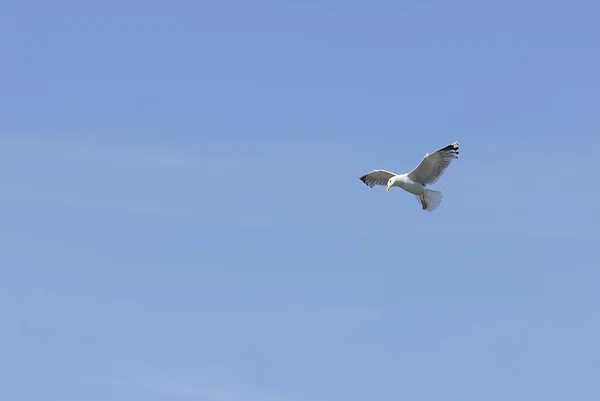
<point x="431" y="168"/>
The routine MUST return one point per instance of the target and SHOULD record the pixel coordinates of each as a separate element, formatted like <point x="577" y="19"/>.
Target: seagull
<point x="431" y="168"/>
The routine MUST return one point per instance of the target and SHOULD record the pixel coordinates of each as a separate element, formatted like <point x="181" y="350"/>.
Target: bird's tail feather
<point x="430" y="200"/>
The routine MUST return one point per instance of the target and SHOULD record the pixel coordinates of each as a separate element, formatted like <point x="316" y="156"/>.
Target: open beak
<point x="388" y="187"/>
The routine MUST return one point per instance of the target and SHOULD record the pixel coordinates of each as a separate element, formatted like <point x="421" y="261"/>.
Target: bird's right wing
<point x="433" y="165"/>
<point x="377" y="177"/>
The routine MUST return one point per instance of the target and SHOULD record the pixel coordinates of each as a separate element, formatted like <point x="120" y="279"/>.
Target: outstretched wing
<point x="377" y="177"/>
<point x="433" y="166"/>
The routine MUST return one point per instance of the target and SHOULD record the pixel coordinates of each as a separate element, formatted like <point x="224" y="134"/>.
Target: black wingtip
<point x="453" y="147"/>
<point x="364" y="180"/>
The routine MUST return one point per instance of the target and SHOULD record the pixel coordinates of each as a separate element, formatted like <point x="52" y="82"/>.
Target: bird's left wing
<point x="377" y="177"/>
<point x="433" y="166"/>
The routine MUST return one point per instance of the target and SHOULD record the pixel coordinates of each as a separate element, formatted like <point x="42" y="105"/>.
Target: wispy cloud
<point x="96" y="152"/>
<point x="201" y="387"/>
<point x="218" y="159"/>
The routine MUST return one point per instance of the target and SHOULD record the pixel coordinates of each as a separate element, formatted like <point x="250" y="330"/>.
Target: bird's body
<point x="431" y="168"/>
<point x="404" y="182"/>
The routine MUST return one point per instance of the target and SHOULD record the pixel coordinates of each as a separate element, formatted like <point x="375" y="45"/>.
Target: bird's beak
<point x="388" y="187"/>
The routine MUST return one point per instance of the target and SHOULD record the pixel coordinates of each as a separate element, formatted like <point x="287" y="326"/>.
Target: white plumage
<point x="431" y="168"/>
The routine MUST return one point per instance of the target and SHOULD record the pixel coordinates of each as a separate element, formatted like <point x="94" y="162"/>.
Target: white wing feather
<point x="433" y="166"/>
<point x="377" y="177"/>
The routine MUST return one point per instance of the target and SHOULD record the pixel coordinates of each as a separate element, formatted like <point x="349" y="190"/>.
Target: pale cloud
<point x="200" y="387"/>
<point x="155" y="211"/>
<point x="217" y="161"/>
<point x="96" y="152"/>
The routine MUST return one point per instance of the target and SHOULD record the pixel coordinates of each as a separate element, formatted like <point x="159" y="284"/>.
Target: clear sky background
<point x="181" y="215"/>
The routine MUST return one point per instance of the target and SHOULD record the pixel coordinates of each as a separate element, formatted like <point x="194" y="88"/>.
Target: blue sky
<point x="182" y="217"/>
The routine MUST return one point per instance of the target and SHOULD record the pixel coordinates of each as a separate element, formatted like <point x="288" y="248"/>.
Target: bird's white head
<point x="390" y="183"/>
